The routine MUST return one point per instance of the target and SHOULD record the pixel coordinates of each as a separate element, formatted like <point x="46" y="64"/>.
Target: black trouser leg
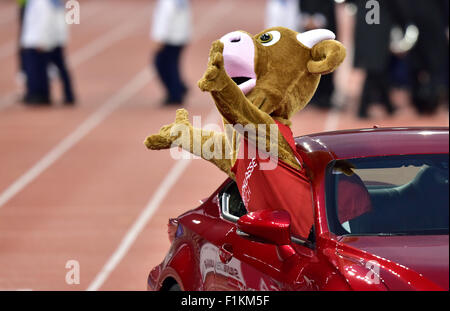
<point x="167" y="64"/>
<point x="160" y="62"/>
<point x="376" y="88"/>
<point x="57" y="58"/>
<point x="383" y="88"/>
<point x="21" y="50"/>
<point x="322" y="97"/>
<point x="365" y="97"/>
<point x="37" y="85"/>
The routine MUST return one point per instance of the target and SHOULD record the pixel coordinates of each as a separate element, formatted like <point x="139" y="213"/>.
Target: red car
<point x="384" y="227"/>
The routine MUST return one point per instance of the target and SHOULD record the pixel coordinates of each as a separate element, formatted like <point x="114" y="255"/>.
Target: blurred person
<point x="320" y="14"/>
<point x="428" y="60"/>
<point x="56" y="57"/>
<point x="171" y="30"/>
<point x="372" y="51"/>
<point x="21" y="4"/>
<point x="35" y="43"/>
<point x="283" y="13"/>
<point x="43" y="36"/>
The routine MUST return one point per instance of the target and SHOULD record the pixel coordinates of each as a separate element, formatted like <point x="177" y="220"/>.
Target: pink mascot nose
<point x="233" y="37"/>
<point x="239" y="54"/>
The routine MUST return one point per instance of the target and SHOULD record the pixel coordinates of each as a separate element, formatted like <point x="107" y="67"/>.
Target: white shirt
<point x="171" y="22"/>
<point x="283" y="13"/>
<point x="44" y="25"/>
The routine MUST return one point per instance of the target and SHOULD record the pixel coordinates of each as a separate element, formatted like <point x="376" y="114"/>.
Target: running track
<point x="78" y="184"/>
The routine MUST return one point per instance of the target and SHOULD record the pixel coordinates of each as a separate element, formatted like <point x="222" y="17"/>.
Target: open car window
<point x="393" y="195"/>
<point x="232" y="207"/>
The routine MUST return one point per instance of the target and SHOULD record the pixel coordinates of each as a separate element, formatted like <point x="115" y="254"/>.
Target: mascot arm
<point x="233" y="105"/>
<point x="229" y="99"/>
<point x="236" y="109"/>
<point x="211" y="147"/>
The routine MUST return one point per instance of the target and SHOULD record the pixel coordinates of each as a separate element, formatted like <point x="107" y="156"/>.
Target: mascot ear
<point x="326" y="56"/>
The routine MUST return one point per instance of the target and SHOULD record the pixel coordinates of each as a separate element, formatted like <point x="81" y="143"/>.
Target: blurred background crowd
<point x="398" y="50"/>
<point x="77" y="101"/>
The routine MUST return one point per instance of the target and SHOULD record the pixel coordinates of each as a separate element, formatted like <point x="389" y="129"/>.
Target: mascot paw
<point x="215" y="78"/>
<point x="157" y="142"/>
<point x="169" y="133"/>
<point x="182" y="117"/>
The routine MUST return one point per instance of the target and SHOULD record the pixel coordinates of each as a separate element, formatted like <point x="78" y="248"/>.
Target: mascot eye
<point x="270" y="38"/>
<point x="266" y="37"/>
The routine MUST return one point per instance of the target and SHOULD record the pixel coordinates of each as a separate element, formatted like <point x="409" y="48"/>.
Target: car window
<point x="232" y="206"/>
<point x="391" y="195"/>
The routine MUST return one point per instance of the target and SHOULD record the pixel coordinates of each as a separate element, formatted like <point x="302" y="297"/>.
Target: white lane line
<point x="89" y="51"/>
<point x="123" y="95"/>
<point x="140" y="223"/>
<point x="107" y="40"/>
<point x="8" y="99"/>
<point x="152" y="206"/>
<point x="332" y="120"/>
<point x="90" y="9"/>
<point x="9" y="14"/>
<point x="171" y="178"/>
<point x="8" y="48"/>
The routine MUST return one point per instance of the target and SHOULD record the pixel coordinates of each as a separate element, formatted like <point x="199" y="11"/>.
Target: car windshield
<point x="392" y="195"/>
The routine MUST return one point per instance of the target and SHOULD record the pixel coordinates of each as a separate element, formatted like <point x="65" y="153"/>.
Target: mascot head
<point x="279" y="69"/>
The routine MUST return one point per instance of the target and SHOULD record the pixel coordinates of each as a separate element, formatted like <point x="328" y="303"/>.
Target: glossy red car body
<point x="209" y="253"/>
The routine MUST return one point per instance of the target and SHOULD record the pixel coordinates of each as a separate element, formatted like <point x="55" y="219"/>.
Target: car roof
<point x="377" y="142"/>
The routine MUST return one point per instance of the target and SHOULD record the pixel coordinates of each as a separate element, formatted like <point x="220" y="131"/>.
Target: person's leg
<point x="20" y="49"/>
<point x="57" y="58"/>
<point x="27" y="65"/>
<point x="383" y="81"/>
<point x="180" y="88"/>
<point x="37" y="85"/>
<point x="177" y="89"/>
<point x="365" y="96"/>
<point x="162" y="64"/>
<point x="322" y="97"/>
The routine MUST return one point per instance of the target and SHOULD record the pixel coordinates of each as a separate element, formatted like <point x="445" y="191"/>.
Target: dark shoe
<point x="36" y="100"/>
<point x="391" y="111"/>
<point x="184" y="91"/>
<point x="172" y="102"/>
<point x="363" y="115"/>
<point x="69" y="102"/>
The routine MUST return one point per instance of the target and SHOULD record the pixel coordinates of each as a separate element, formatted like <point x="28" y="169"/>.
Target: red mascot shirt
<point x="282" y="188"/>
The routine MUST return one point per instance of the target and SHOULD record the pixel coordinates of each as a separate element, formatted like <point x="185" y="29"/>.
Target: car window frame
<point x="226" y="215"/>
<point x="224" y="208"/>
<point x="332" y="221"/>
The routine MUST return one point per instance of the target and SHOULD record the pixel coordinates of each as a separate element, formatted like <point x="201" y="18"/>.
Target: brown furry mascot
<point x="258" y="83"/>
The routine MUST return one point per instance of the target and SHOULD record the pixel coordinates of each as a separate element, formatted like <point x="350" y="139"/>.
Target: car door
<point x="246" y="264"/>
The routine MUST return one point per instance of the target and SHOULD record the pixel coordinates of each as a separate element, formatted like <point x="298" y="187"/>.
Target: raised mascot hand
<point x="215" y="78"/>
<point x="164" y="139"/>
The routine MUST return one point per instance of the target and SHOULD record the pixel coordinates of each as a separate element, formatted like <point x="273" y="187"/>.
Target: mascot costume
<point x="257" y="84"/>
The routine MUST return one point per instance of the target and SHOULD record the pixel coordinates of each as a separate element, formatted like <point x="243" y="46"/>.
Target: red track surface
<point x="81" y="203"/>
